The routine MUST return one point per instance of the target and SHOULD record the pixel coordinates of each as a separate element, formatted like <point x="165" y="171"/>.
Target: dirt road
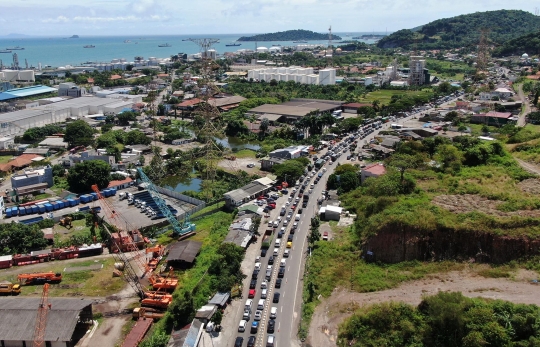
<point x="334" y="309"/>
<point x="526" y="110"/>
<point x="529" y="167"/>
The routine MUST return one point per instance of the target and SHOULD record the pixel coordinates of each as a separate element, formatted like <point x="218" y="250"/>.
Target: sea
<point x="62" y="51"/>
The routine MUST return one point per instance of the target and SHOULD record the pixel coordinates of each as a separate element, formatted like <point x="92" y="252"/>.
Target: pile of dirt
<point x="531" y="185"/>
<point x="474" y="203"/>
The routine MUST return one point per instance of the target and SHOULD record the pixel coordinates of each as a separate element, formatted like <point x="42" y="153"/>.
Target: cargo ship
<point x="5" y="51"/>
<point x="16" y="48"/>
<point x="164" y="45"/>
<point x="301" y="41"/>
<point x="233" y="44"/>
<point x="89" y="46"/>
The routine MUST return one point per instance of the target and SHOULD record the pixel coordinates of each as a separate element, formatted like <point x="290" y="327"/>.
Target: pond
<point x="236" y="144"/>
<point x="182" y="183"/>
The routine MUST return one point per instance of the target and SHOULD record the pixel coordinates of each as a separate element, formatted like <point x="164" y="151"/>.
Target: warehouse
<point x="13" y="123"/>
<point x="295" y="109"/>
<point x="67" y="321"/>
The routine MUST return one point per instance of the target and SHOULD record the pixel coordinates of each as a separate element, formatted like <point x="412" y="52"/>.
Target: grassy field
<point x="79" y="283"/>
<point x="245" y="153"/>
<point x="384" y="96"/>
<point x="5" y="158"/>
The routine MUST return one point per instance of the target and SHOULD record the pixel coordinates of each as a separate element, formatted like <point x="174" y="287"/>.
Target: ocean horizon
<point x="57" y="51"/>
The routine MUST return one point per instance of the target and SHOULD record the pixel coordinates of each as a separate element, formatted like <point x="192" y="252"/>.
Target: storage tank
<point x="262" y="49"/>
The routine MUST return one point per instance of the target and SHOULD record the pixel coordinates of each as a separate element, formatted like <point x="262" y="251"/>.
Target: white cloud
<point x="143" y="6"/>
<point x="59" y="19"/>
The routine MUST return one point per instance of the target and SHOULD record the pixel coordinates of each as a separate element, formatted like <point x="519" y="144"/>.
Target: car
<point x="254" y="327"/>
<point x="277" y="244"/>
<point x="271" y="260"/>
<point x="300" y="210"/>
<point x="260" y="304"/>
<point x="290" y="237"/>
<point x="275" y="254"/>
<point x="304" y="204"/>
<point x="286" y="253"/>
<point x="255" y="274"/>
<point x="258" y="314"/>
<point x="286" y="222"/>
<point x="293" y="207"/>
<point x="281" y="272"/>
<point x="283" y="262"/>
<point x="247" y="315"/>
<point x="271" y="326"/>
<point x="264" y="285"/>
<point x="264" y="293"/>
<point x="276" y="223"/>
<point x="278" y="283"/>
<point x="270" y="341"/>
<point x="297" y="199"/>
<point x="267" y="209"/>
<point x="242" y="326"/>
<point x="276" y="298"/>
<point x="294" y="226"/>
<point x="257" y="266"/>
<point x="263" y="252"/>
<point x="273" y="312"/>
<point x="312" y="186"/>
<point x="287" y="203"/>
<point x="252" y="284"/>
<point x="280" y="234"/>
<point x="239" y="341"/>
<point x="257" y="259"/>
<point x="268" y="274"/>
<point x="325" y="236"/>
<point x="252" y="293"/>
<point x="251" y="341"/>
<point x="250" y="165"/>
<point x="289" y="244"/>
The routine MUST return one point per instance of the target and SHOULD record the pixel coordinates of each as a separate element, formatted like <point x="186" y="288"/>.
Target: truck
<point x="8" y="288"/>
<point x="39" y="278"/>
<point x="319" y="163"/>
<point x="306" y="197"/>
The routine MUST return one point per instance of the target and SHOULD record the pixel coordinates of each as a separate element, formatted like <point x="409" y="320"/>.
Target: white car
<point x="270" y="224"/>
<point x="257" y="266"/>
<point x="260" y="305"/>
<point x="258" y="314"/>
<point x="242" y="326"/>
<point x="264" y="285"/>
<point x="273" y="312"/>
<point x="258" y="259"/>
<point x="263" y="295"/>
<point x="286" y="253"/>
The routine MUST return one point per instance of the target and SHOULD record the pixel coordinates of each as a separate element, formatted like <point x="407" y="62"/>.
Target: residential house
<point x="494" y="118"/>
<point x="373" y="170"/>
<point x="268" y="162"/>
<point x="89" y="155"/>
<point x="20" y="162"/>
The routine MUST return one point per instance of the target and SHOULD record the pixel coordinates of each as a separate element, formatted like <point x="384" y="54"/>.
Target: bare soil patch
<point x="470" y="203"/>
<point x="333" y="310"/>
<point x="531" y="185"/>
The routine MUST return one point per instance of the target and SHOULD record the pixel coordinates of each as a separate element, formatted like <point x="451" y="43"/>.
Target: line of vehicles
<point x="284" y="229"/>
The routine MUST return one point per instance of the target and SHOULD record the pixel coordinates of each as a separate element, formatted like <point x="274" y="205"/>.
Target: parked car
<point x="242" y="326"/>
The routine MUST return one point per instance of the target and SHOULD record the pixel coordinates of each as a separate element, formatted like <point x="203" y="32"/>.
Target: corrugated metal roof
<point x="27" y="91"/>
<point x="18" y="318"/>
<point x="184" y="251"/>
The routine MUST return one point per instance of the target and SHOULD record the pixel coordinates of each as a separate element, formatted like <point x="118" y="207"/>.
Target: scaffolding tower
<point x="483" y="51"/>
<point x="329" y="49"/>
<point x="416" y="70"/>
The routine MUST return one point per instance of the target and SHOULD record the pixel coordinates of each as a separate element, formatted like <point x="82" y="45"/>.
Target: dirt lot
<point x="470" y="203"/>
<point x="334" y="309"/>
<point x="241" y="164"/>
<point x="531" y="186"/>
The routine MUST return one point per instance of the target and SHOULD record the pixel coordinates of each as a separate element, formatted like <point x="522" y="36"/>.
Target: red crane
<point x="41" y="319"/>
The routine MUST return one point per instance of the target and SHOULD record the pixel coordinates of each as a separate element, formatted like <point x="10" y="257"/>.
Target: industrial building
<point x="32" y="180"/>
<point x="17" y="122"/>
<point x="295" y="109"/>
<point x="417" y="71"/>
<point x="67" y="321"/>
<point x="25" y="92"/>
<point x="294" y="73"/>
<point x="70" y="89"/>
<point x="17" y="76"/>
<point x="241" y="195"/>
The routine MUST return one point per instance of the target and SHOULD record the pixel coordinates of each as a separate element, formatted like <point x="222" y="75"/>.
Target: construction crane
<point x="41" y="318"/>
<point x="178" y="229"/>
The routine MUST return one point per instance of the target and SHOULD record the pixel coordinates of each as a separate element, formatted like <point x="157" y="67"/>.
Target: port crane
<point x="178" y="229"/>
<point x="41" y="318"/>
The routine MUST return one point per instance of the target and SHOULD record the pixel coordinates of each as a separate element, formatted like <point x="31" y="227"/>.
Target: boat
<point x="164" y="45"/>
<point x="278" y="45"/>
<point x="127" y="41"/>
<point x="5" y="51"/>
<point x="89" y="46"/>
<point x="233" y="44"/>
<point x="74" y="37"/>
<point x="16" y="48"/>
<point x="299" y="41"/>
<point x="186" y="39"/>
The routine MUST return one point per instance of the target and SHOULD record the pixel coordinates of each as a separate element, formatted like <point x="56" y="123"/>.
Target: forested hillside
<point x="529" y="43"/>
<point x="289" y="35"/>
<point x="503" y="25"/>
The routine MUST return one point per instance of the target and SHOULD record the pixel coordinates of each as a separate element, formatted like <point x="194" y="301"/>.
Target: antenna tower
<point x="329" y="49"/>
<point x="204" y="45"/>
<point x="483" y="53"/>
<point x="15" y="61"/>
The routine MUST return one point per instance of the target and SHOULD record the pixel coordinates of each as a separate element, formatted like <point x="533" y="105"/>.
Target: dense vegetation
<point x="82" y="176"/>
<point x="289" y="35"/>
<point x="443" y="320"/>
<point x="464" y="30"/>
<point x="16" y="238"/>
<point x="33" y="135"/>
<point x="529" y="43"/>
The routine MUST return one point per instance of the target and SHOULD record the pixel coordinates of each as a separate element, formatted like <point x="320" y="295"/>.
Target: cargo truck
<point x="8" y="288"/>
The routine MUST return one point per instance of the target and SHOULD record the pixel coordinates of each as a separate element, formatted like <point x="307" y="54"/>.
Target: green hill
<point x="289" y="35"/>
<point x="464" y="30"/>
<point x="529" y="43"/>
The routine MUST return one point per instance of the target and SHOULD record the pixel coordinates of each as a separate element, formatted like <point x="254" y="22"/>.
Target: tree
<point x="83" y="175"/>
<point x="402" y="162"/>
<point x="79" y="133"/>
<point x="314" y="234"/>
<point x="20" y="238"/>
<point x="264" y="125"/>
<point x="341" y="169"/>
<point x="58" y="170"/>
<point x="125" y="117"/>
<point x="217" y="318"/>
<point x="485" y="129"/>
<point x="348" y="181"/>
<point x="451" y="116"/>
<point x="462" y="128"/>
<point x="449" y="156"/>
<point x="290" y="171"/>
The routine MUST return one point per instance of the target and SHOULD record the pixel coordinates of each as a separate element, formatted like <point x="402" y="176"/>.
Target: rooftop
<point x="26" y="91"/>
<point x="184" y="251"/>
<point x="375" y="169"/>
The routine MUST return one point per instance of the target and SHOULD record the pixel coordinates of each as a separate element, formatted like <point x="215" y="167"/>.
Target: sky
<point x="183" y="17"/>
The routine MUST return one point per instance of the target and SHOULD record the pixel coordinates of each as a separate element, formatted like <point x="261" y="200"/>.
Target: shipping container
<point x="77" y="201"/>
<point x="22" y="211"/>
<point x="54" y="205"/>
<point x="113" y="191"/>
<point x="85" y="199"/>
<point x="42" y="208"/>
<point x="35" y="209"/>
<point x="71" y="202"/>
<point x="93" y="196"/>
<point x="48" y="207"/>
<point x="66" y="203"/>
<point x="8" y="212"/>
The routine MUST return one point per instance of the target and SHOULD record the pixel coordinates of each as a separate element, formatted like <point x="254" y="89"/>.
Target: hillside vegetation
<point x="529" y="43"/>
<point x="289" y="35"/>
<point x="445" y="319"/>
<point x="463" y="30"/>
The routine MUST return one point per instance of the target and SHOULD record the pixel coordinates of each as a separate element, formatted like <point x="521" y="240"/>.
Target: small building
<point x="68" y="320"/>
<point x="42" y="151"/>
<point x="220" y="299"/>
<point x="7" y="142"/>
<point x="182" y="141"/>
<point x="226" y="103"/>
<point x="54" y="142"/>
<point x="241" y="231"/>
<point x="373" y="170"/>
<point x="32" y="180"/>
<point x="91" y="155"/>
<point x="290" y="152"/>
<point x="353" y="107"/>
<point x="183" y="253"/>
<point x="401" y="84"/>
<point x="121" y="184"/>
<point x="330" y="212"/>
<point x="70" y="89"/>
<point x="494" y="118"/>
<point x="239" y="196"/>
<point x="268" y="162"/>
<point x="18" y="163"/>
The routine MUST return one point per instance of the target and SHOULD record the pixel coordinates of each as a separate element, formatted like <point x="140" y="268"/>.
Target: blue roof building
<point x="25" y="92"/>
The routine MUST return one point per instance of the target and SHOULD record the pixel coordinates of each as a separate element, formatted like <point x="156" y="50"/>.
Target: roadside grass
<point x="217" y="206"/>
<point x="88" y="283"/>
<point x="79" y="229"/>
